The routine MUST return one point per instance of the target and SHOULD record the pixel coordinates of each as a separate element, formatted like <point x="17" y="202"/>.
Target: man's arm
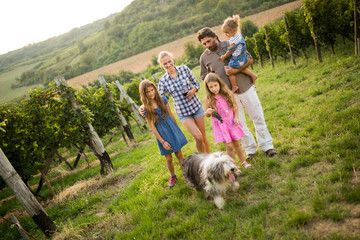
<point x="203" y="69"/>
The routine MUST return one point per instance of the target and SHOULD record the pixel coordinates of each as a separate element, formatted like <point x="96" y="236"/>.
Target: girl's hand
<point x="223" y="58"/>
<point x="167" y="145"/>
<point x="209" y="112"/>
<point x="236" y="121"/>
<point x="142" y="110"/>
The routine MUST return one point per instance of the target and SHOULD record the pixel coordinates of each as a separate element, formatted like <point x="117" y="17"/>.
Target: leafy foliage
<point x="46" y="121"/>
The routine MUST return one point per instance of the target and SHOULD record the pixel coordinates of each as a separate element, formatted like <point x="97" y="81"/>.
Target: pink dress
<point x="226" y="131"/>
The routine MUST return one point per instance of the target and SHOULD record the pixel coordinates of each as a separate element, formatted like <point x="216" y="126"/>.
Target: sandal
<point x="246" y="165"/>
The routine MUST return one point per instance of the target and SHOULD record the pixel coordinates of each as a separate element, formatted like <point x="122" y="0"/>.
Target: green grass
<point x="312" y="111"/>
<point x="7" y="78"/>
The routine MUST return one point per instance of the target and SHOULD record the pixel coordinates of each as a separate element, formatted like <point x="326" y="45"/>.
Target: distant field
<point x="8" y="78"/>
<point x="140" y="62"/>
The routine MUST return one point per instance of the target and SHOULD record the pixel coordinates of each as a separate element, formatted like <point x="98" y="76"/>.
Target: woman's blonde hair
<point x="231" y="23"/>
<point x="150" y="112"/>
<point x="224" y="91"/>
<point x="164" y="54"/>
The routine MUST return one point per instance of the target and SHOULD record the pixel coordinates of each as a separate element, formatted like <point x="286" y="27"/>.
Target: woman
<point x="180" y="83"/>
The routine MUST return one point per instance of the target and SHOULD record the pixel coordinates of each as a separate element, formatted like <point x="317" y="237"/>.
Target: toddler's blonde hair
<point x="231" y="24"/>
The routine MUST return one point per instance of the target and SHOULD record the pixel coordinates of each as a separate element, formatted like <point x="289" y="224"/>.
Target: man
<point x="245" y="96"/>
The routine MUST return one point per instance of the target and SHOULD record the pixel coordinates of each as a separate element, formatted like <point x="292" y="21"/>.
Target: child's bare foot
<point x="234" y="88"/>
<point x="254" y="79"/>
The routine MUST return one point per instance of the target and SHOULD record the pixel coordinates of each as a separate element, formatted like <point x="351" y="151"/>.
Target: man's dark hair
<point x="206" y="32"/>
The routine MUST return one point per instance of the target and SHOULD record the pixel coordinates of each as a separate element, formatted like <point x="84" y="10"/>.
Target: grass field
<point x="310" y="190"/>
<point x="7" y="79"/>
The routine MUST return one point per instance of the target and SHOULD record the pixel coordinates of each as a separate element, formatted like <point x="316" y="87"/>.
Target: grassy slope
<point x="309" y="190"/>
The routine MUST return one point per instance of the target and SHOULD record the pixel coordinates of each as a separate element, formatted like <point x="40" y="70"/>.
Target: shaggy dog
<point x="211" y="173"/>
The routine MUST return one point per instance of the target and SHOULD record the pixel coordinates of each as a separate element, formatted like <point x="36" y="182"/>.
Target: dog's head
<point x="220" y="168"/>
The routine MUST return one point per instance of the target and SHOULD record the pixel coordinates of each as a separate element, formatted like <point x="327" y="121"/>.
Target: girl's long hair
<point x="150" y="112"/>
<point x="224" y="91"/>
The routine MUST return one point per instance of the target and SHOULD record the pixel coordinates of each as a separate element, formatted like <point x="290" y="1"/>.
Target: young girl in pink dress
<point x="221" y="105"/>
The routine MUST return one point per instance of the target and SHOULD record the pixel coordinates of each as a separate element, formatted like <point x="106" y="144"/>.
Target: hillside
<point x="309" y="190"/>
<point x="141" y="26"/>
<point x="175" y="47"/>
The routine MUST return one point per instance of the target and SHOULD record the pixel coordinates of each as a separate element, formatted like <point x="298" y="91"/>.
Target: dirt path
<point x="140" y="62"/>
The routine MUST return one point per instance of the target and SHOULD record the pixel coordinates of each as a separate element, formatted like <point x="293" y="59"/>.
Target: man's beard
<point x="214" y="47"/>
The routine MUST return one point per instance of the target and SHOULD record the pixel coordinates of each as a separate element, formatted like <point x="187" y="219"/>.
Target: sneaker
<point x="172" y="181"/>
<point x="270" y="152"/>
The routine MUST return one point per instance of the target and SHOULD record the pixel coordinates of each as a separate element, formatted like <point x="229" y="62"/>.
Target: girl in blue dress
<point x="162" y="123"/>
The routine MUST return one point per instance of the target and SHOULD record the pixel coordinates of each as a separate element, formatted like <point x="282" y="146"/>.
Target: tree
<point x="356" y="28"/>
<point x="298" y="31"/>
<point x="321" y="17"/>
<point x="248" y="28"/>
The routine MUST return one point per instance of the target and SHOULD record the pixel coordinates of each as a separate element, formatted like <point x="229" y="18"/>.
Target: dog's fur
<point x="211" y="173"/>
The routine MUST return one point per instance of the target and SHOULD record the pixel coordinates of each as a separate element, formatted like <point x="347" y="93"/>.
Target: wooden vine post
<point x="25" y="197"/>
<point x="133" y="105"/>
<point x="269" y="48"/>
<point x="44" y="172"/>
<point x="356" y="28"/>
<point x="259" y="54"/>
<point x="95" y="142"/>
<point x="124" y="124"/>
<point x="288" y="34"/>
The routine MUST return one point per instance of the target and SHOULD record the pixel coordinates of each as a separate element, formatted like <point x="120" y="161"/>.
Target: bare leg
<point x="238" y="150"/>
<point x="230" y="150"/>
<point x="179" y="156"/>
<point x="200" y="122"/>
<point x="240" y="153"/>
<point x="194" y="130"/>
<point x="251" y="74"/>
<point x="232" y="79"/>
<point x="170" y="164"/>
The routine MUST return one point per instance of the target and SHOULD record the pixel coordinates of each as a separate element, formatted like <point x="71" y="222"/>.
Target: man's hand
<point x="231" y="71"/>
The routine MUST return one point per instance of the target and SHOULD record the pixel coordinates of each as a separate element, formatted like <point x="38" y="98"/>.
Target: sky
<point x="23" y="22"/>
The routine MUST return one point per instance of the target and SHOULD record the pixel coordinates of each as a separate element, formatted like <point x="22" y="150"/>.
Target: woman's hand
<point x="167" y="145"/>
<point x="191" y="93"/>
